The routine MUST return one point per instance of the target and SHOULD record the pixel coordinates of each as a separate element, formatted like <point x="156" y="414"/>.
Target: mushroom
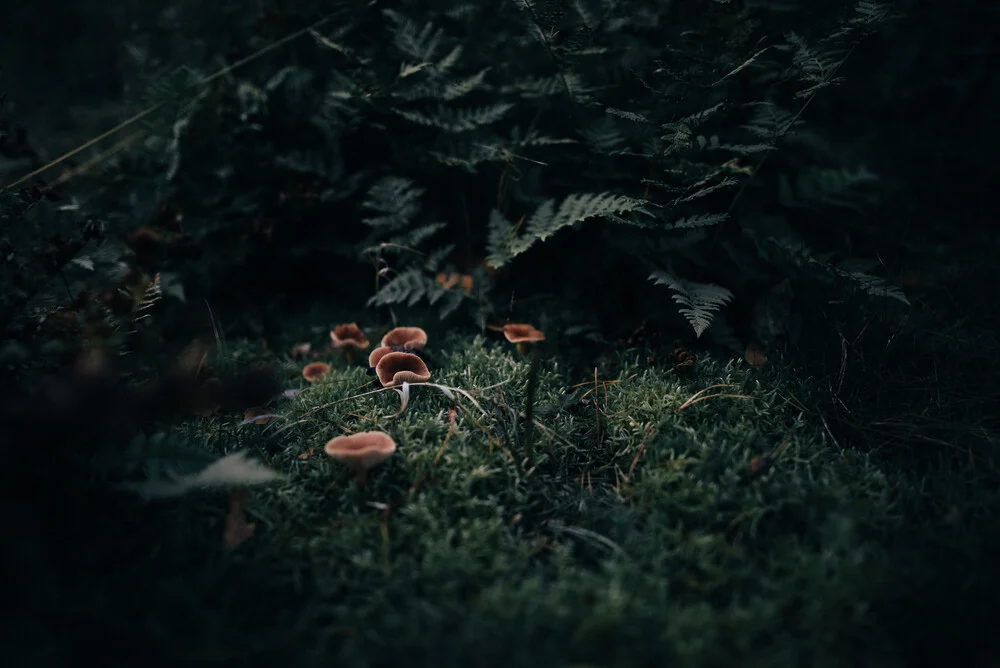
<point x="349" y="337"/>
<point x="407" y="338"/>
<point x="361" y="452"/>
<point x="523" y="335"/>
<point x="378" y="354"/>
<point x="315" y="370"/>
<point x="394" y="369"/>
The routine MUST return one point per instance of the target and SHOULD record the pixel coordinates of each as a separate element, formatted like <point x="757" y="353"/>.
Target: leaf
<point x="504" y="243"/>
<point x="457" y="120"/>
<point x="404" y="399"/>
<point x="699" y="220"/>
<point x="699" y="300"/>
<point x="234" y="469"/>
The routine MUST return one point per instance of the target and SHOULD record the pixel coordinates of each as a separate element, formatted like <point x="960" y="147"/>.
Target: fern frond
<point x="417" y="43"/>
<point x="875" y="286"/>
<point x="504" y="242"/>
<point x="457" y="89"/>
<point x="394" y="197"/>
<point x="699" y="301"/>
<point x="701" y="220"/>
<point x="458" y="120"/>
<point x="627" y="115"/>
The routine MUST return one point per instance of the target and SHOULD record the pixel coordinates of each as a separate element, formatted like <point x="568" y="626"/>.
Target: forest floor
<point x="707" y="520"/>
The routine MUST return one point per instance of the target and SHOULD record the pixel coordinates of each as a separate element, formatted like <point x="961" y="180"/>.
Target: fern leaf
<point x="699" y="301"/>
<point x="628" y="115"/>
<point x="408" y="287"/>
<point x="455" y="90"/>
<point x="394" y="197"/>
<point x="701" y="220"/>
<point x="504" y="242"/>
<point x="458" y="120"/>
<point x="546" y="220"/>
<point x="875" y="286"/>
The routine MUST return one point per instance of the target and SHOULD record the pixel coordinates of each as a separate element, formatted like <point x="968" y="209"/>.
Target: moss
<point x="638" y="537"/>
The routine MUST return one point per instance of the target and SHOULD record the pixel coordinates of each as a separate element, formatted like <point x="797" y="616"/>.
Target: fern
<point x="699" y="301"/>
<point x="413" y="286"/>
<point x="700" y="220"/>
<point x="504" y="242"/>
<point x="875" y="286"/>
<point x="397" y="199"/>
<point x="457" y="120"/>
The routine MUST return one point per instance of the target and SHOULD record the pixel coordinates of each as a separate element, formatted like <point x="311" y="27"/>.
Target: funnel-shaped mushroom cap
<point x="361" y="451"/>
<point x="378" y="354"/>
<point x="348" y="335"/>
<point x="314" y="371"/>
<point x="522" y="333"/>
<point x="410" y="338"/>
<point x="398" y="368"/>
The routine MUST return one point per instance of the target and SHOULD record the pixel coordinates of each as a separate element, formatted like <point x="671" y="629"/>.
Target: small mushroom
<point x="409" y="338"/>
<point x="523" y="335"/>
<point x="378" y="354"/>
<point x="361" y="452"/>
<point x="315" y="370"/>
<point x="348" y="337"/>
<point x="395" y="369"/>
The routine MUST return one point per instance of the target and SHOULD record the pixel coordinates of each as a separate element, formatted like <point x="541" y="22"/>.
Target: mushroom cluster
<point x="397" y="359"/>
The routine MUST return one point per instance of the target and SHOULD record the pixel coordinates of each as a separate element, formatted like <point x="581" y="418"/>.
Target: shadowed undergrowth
<point x="638" y="537"/>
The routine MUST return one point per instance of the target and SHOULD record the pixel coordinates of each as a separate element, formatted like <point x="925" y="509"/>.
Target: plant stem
<point x="529" y="427"/>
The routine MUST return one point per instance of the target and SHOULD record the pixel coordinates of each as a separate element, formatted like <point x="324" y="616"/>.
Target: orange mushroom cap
<point x="397" y="368"/>
<point x="378" y="354"/>
<point x="348" y="335"/>
<point x="520" y="333"/>
<point x="362" y="451"/>
<point x="410" y="338"/>
<point x="315" y="370"/>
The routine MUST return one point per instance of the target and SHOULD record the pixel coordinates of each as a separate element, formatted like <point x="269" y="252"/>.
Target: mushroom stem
<point x="361" y="476"/>
<point x="349" y="355"/>
<point x="529" y="427"/>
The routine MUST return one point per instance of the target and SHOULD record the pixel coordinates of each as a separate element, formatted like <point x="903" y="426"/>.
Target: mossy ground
<point x="638" y="536"/>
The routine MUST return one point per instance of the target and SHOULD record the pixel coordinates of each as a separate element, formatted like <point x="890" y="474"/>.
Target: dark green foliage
<point x="614" y="171"/>
<point x="450" y="125"/>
